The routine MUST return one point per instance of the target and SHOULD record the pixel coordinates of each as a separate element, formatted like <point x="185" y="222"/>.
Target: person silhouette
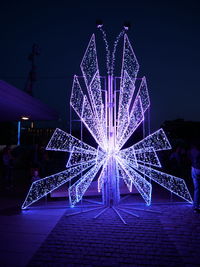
<point x="195" y="172"/>
<point x="35" y="176"/>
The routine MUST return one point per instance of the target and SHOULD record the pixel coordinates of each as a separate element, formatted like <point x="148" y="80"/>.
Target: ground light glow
<point x="111" y="121"/>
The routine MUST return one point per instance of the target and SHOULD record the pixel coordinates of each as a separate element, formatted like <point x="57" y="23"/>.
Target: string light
<point x="173" y="184"/>
<point x="141" y="184"/>
<point x="46" y="185"/>
<point x="62" y="141"/>
<point x="78" y="189"/>
<point x="109" y="161"/>
<point x="107" y="50"/>
<point x="158" y="140"/>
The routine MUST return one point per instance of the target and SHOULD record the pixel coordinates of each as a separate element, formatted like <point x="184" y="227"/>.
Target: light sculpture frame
<point x="111" y="122"/>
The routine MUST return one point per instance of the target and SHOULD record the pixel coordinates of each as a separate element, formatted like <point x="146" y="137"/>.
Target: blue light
<point x="18" y="132"/>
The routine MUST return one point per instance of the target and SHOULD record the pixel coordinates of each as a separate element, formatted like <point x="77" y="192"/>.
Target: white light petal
<point x="62" y="141"/>
<point x="46" y="185"/>
<point x="158" y="140"/>
<point x="141" y="184"/>
<point x="77" y="190"/>
<point x="173" y="184"/>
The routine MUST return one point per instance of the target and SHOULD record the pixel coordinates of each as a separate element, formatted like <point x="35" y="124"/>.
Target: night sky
<point x="165" y="37"/>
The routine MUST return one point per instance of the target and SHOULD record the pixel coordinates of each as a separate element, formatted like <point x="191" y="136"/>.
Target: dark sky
<point x="165" y="36"/>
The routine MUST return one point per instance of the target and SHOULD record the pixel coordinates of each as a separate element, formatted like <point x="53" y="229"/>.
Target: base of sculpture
<point x="120" y="209"/>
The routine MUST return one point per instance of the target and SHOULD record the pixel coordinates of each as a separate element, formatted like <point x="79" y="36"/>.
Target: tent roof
<point x="14" y="104"/>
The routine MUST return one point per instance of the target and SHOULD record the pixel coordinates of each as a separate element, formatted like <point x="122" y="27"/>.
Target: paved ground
<point x="22" y="233"/>
<point x="169" y="238"/>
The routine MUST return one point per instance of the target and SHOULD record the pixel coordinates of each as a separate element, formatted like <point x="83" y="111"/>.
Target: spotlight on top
<point x="127" y="25"/>
<point x="99" y="23"/>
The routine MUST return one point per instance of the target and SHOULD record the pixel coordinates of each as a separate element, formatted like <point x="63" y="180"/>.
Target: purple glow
<point x="110" y="131"/>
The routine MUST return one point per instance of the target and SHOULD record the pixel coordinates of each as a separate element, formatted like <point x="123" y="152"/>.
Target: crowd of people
<point x="22" y="165"/>
<point x="184" y="162"/>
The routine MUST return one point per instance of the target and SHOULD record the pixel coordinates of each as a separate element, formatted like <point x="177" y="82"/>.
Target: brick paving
<point x="171" y="238"/>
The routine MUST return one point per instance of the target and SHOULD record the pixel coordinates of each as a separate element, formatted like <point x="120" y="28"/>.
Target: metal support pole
<point x="112" y="186"/>
<point x="117" y="212"/>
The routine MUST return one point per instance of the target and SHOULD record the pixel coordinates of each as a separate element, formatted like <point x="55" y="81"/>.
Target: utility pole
<point x="32" y="76"/>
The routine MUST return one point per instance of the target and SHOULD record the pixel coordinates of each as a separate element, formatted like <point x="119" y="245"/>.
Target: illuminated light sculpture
<point x="111" y="121"/>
